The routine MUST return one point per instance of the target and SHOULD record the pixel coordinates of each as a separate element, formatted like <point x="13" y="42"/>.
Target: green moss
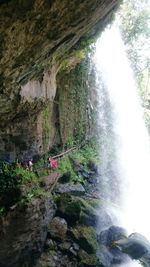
<point x="15" y="184"/>
<point x="40" y="167"/>
<point x="86" y="237"/>
<point x="88" y="215"/>
<point x="46" y="125"/>
<point x="63" y="200"/>
<point x="68" y="208"/>
<point x="73" y="211"/>
<point x="77" y="55"/>
<point x="78" y="210"/>
<point x="88" y="153"/>
<point x="147" y="118"/>
<point x="95" y="203"/>
<point x="78" y="157"/>
<point x="88" y="260"/>
<point x="66" y="167"/>
<point x="73" y="96"/>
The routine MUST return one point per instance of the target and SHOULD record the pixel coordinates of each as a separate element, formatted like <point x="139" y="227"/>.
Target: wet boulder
<point x="136" y="246"/>
<point x="108" y="252"/>
<point x="68" y="208"/>
<point x="88" y="260"/>
<point x="105" y="220"/>
<point x="74" y="189"/>
<point x="113" y="233"/>
<point x="89" y="212"/>
<point x="105" y="256"/>
<point x="85" y="237"/>
<point x="92" y="166"/>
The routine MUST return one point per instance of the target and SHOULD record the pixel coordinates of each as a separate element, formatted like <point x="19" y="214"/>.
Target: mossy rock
<point x="95" y="203"/>
<point x="78" y="210"/>
<point x="88" y="260"/>
<point x="57" y="228"/>
<point x="85" y="237"/>
<point x="68" y="208"/>
<point x="89" y="213"/>
<point x="63" y="200"/>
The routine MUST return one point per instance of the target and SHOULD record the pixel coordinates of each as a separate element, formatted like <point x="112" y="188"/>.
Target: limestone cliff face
<point x="36" y="36"/>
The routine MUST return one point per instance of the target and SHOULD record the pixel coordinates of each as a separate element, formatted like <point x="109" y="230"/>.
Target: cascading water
<point x="130" y="138"/>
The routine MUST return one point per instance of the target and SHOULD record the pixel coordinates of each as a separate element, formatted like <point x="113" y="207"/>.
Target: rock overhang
<point x="34" y="34"/>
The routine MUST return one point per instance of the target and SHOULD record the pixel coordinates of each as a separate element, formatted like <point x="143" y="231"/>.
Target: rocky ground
<point x="71" y="238"/>
<point x="67" y="227"/>
<point x="75" y="235"/>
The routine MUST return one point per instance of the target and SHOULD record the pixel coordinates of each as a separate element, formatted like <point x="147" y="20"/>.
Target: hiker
<point x="30" y="165"/>
<point x="25" y="166"/>
<point x="51" y="163"/>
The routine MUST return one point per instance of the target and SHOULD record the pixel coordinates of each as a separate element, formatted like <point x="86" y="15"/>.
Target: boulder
<point x="68" y="208"/>
<point x="57" y="228"/>
<point x="108" y="253"/>
<point x="23" y="232"/>
<point x="136" y="246"/>
<point x="65" y="178"/>
<point x="105" y="220"/>
<point x="89" y="260"/>
<point x="85" y="237"/>
<point x="92" y="166"/>
<point x="113" y="233"/>
<point x="89" y="214"/>
<point x="65" y="246"/>
<point x="77" y="209"/>
<point x="74" y="189"/>
<point x="105" y="256"/>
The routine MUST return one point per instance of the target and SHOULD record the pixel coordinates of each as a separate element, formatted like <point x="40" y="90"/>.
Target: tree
<point x="134" y="23"/>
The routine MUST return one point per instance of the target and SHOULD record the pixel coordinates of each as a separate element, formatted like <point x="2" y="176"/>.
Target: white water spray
<point x="132" y="139"/>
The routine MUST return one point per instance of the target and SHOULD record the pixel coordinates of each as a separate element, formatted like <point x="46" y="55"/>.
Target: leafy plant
<point x="78" y="179"/>
<point x="87" y="153"/>
<point x="40" y="167"/>
<point x="12" y="178"/>
<point x="134" y="25"/>
<point x="80" y="157"/>
<point x="65" y="166"/>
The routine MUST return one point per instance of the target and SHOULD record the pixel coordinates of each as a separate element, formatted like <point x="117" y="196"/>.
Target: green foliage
<point x="89" y="215"/>
<point x="65" y="166"/>
<point x="78" y="56"/>
<point x="134" y="19"/>
<point x="87" y="259"/>
<point x="74" y="109"/>
<point x="27" y="198"/>
<point x="40" y="167"/>
<point x="147" y="118"/>
<point x="78" y="179"/>
<point x="68" y="208"/>
<point x="12" y="178"/>
<point x="88" y="153"/>
<point x="86" y="237"/>
<point x="46" y="125"/>
<point x="70" y="142"/>
<point x="80" y="157"/>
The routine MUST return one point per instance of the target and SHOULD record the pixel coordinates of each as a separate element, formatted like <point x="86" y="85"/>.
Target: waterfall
<point x="128" y="132"/>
